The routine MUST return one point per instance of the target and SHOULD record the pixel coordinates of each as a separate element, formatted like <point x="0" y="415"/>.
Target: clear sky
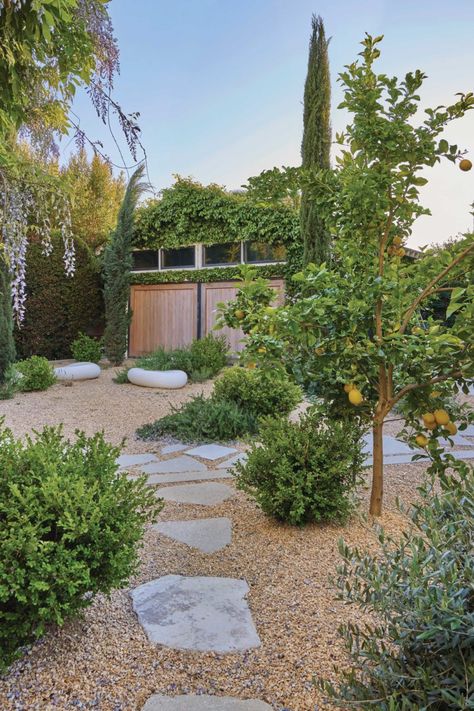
<point x="219" y="84"/>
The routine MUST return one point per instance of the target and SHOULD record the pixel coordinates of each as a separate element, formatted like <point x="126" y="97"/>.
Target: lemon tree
<point x="360" y="331"/>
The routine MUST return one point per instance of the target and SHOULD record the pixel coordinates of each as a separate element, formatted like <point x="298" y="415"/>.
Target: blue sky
<point x="219" y="83"/>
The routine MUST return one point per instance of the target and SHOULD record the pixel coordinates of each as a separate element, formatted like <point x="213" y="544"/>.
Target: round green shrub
<point x="303" y="471"/>
<point x="70" y="525"/>
<point x="36" y="374"/>
<point x="58" y="307"/>
<point x="258" y="391"/>
<point x="208" y="354"/>
<point x="85" y="348"/>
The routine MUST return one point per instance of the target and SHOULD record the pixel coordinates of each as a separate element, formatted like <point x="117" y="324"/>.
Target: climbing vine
<point x="178" y="276"/>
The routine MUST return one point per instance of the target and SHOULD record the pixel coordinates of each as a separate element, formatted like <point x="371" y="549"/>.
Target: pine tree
<point x="7" y="344"/>
<point x="117" y="267"/>
<point x="316" y="145"/>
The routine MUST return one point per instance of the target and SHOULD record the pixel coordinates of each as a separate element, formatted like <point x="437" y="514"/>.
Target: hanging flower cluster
<point x="26" y="209"/>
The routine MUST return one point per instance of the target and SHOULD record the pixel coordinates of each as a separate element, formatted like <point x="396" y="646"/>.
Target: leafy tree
<point x="117" y="267"/>
<point x="96" y="196"/>
<point x="316" y="145"/>
<point x="359" y="329"/>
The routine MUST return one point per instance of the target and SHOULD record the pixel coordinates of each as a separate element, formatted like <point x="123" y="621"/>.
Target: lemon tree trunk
<point x="376" y="495"/>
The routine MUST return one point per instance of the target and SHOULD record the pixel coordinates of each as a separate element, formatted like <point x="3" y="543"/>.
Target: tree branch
<point x="415" y="386"/>
<point x="429" y="289"/>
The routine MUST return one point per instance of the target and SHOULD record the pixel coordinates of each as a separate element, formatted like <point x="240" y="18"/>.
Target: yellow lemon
<point x="436" y="393"/>
<point x="251" y="365"/>
<point x="465" y="164"/>
<point x="239" y="314"/>
<point x="397" y="241"/>
<point x="428" y="417"/>
<point x="451" y="427"/>
<point x="431" y="425"/>
<point x="421" y="440"/>
<point x="441" y="417"/>
<point x="355" y="396"/>
<point x="348" y="387"/>
<point x="262" y="349"/>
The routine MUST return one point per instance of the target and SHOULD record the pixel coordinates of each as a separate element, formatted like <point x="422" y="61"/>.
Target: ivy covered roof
<point x="189" y="212"/>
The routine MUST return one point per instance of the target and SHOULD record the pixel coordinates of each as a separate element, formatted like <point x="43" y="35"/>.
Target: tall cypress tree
<point x="117" y="267"/>
<point x="7" y="344"/>
<point x="316" y="145"/>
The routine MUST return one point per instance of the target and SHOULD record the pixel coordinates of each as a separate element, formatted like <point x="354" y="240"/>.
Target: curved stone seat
<point x="170" y="379"/>
<point x="77" y="371"/>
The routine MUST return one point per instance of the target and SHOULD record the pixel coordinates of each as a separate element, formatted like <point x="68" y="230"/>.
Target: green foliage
<point x="7" y="344"/>
<point x="304" y="471"/>
<point x="117" y="267"/>
<point x="258" y="391"/>
<point x="96" y="196"/>
<point x="202" y="420"/>
<point x="85" y="348"/>
<point x="11" y="383"/>
<point x="208" y="275"/>
<point x="70" y="525"/>
<point x="316" y="145"/>
<point x="202" y="360"/>
<point x="121" y="377"/>
<point x="420" y="653"/>
<point x="37" y="374"/>
<point x="58" y="306"/>
<point x="189" y="212"/>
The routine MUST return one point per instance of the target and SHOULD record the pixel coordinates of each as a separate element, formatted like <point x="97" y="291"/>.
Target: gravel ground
<point x="102" y="660"/>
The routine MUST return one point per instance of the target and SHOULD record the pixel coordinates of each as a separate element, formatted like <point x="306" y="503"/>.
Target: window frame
<point x="245" y="260"/>
<point x="215" y="265"/>
<point x="146" y="269"/>
<point x="189" y="266"/>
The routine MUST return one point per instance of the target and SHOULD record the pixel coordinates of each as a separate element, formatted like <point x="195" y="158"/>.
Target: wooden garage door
<point x="162" y="315"/>
<point x="226" y="291"/>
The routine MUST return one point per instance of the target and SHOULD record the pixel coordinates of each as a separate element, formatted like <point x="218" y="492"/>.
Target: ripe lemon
<point x="239" y="314"/>
<point x="319" y="351"/>
<point x="451" y="427"/>
<point x="428" y="418"/>
<point x="262" y="349"/>
<point x="431" y="425"/>
<point x="251" y="365"/>
<point x="397" y="241"/>
<point x="421" y="440"/>
<point x="465" y="164"/>
<point x="441" y="417"/>
<point x="435" y="393"/>
<point x="348" y="387"/>
<point x="355" y="396"/>
<point x="401" y="252"/>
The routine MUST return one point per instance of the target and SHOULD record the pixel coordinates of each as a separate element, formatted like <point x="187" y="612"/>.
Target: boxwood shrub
<point x="36" y="374"/>
<point x="70" y="525"/>
<point x="303" y="471"/>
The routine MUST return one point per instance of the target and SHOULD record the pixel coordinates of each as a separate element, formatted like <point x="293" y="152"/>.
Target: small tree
<point x="117" y="267"/>
<point x="7" y="344"/>
<point x="316" y="145"/>
<point x="359" y="330"/>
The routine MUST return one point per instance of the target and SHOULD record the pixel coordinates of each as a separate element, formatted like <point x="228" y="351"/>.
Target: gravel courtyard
<point x="103" y="659"/>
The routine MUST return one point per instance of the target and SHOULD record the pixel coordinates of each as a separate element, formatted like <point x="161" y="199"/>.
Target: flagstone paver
<point x="132" y="460"/>
<point x="206" y="534"/>
<point x="457" y="439"/>
<point x="211" y="451"/>
<point x="206" y="494"/>
<point x="468" y="432"/>
<point x="203" y="703"/>
<point x="203" y="614"/>
<point x="172" y="448"/>
<point x="177" y="464"/>
<point x="391" y="446"/>
<point x="154" y="479"/>
<point x="233" y="460"/>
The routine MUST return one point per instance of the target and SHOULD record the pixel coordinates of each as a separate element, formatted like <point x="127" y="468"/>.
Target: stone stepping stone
<point x="172" y="448"/>
<point x="178" y="464"/>
<point x="206" y="534"/>
<point x="207" y="494"/>
<point x="188" y="476"/>
<point x="233" y="460"/>
<point x="407" y="459"/>
<point x="203" y="703"/>
<point x="391" y="446"/>
<point x="468" y="432"/>
<point x="211" y="451"/>
<point x="132" y="460"/>
<point x="202" y="614"/>
<point x="457" y="439"/>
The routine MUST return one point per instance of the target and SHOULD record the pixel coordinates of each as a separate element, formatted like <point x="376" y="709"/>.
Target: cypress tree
<point x="316" y="144"/>
<point x="7" y="344"/>
<point x="117" y="267"/>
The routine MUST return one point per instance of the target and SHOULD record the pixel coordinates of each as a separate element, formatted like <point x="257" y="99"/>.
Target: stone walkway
<point x="211" y="614"/>
<point x="200" y="614"/>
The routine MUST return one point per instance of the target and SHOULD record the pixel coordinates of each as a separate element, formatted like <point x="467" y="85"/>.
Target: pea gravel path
<point x="103" y="659"/>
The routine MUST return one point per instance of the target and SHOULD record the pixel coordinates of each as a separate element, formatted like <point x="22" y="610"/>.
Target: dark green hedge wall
<point x="58" y="307"/>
